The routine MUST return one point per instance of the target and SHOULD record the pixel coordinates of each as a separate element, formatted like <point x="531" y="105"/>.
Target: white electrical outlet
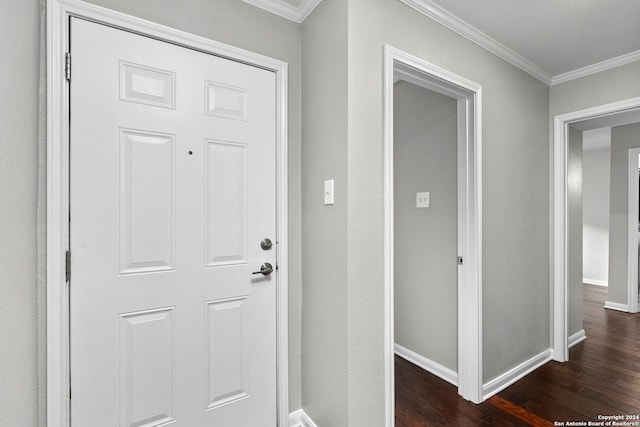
<point x="423" y="200"/>
<point x="328" y="192"/>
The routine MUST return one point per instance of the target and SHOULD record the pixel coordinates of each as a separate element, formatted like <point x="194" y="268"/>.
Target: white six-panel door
<point x="172" y="190"/>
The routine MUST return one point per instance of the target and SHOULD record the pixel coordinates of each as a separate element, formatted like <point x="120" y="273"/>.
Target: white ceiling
<point x="557" y="35"/>
<point x="553" y="40"/>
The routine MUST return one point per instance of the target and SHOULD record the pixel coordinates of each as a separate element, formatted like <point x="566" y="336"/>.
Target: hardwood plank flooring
<point x="602" y="378"/>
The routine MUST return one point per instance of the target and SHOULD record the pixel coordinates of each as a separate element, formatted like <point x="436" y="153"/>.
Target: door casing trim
<point x="59" y="13"/>
<point x="559" y="237"/>
<point x="632" y="231"/>
<point x="469" y="96"/>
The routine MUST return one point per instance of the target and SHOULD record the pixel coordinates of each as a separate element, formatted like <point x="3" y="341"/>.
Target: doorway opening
<point x="588" y="174"/>
<point x="425" y="229"/>
<point x="596" y="183"/>
<point x="403" y="73"/>
<point x="623" y="266"/>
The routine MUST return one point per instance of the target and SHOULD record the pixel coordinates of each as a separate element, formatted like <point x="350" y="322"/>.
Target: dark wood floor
<point x="601" y="378"/>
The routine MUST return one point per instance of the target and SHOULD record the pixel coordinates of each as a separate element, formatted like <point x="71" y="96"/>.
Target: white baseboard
<point x="577" y="337"/>
<point x="498" y="384"/>
<point x="595" y="282"/>
<point x="616" y="306"/>
<point x="300" y="419"/>
<point x="428" y="365"/>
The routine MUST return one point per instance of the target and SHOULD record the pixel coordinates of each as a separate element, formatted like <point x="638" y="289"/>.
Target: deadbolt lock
<point x="266" y="244"/>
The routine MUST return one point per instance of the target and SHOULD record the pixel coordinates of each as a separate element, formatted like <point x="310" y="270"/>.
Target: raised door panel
<point x="147" y="85"/>
<point x="226" y="203"/>
<point x="147" y="201"/>
<point x="147" y="368"/>
<point x="226" y="101"/>
<point x="227" y="351"/>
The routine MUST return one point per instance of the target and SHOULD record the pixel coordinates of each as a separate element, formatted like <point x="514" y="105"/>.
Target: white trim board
<point x="469" y="99"/>
<point x="596" y="68"/>
<point x="444" y="17"/>
<point x="428" y="365"/>
<point x="616" y="306"/>
<point x="559" y="214"/>
<point x="58" y="17"/>
<point x="286" y="10"/>
<point x="632" y="230"/>
<point x="577" y="338"/>
<point x="471" y="33"/>
<point x="498" y="384"/>
<point x="595" y="282"/>
<point x="300" y="419"/>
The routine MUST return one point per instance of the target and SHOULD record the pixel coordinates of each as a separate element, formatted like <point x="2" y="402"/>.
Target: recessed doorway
<point x="463" y="201"/>
<point x="619" y="115"/>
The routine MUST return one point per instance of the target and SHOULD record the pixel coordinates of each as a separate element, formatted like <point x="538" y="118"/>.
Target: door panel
<point x="172" y="190"/>
<point x="227" y="351"/>
<point x="147" y="367"/>
<point x="147" y="201"/>
<point x="227" y="176"/>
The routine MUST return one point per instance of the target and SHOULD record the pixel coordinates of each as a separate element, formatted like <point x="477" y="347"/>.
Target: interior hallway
<point x="601" y="378"/>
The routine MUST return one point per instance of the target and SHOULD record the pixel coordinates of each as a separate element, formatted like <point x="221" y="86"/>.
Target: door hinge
<point x="67" y="265"/>
<point x="67" y="66"/>
<point x="460" y="260"/>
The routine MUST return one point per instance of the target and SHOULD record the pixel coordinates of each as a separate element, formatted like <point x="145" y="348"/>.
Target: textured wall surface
<point x="324" y="231"/>
<point x="426" y="246"/>
<point x="597" y="89"/>
<point x="19" y="45"/>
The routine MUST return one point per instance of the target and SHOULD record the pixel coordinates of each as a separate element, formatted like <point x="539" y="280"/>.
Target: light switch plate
<point x="328" y="192"/>
<point x="423" y="200"/>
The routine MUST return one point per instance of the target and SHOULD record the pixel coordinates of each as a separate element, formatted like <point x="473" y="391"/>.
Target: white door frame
<point x="58" y="17"/>
<point x="632" y="231"/>
<point x="559" y="236"/>
<point x="469" y="95"/>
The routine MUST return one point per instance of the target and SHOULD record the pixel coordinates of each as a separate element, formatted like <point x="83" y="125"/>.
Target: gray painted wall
<point x="515" y="197"/>
<point x="622" y="138"/>
<point x="324" y="230"/>
<point x="595" y="204"/>
<point x="574" y="214"/>
<point x="425" y="249"/>
<point x="597" y="89"/>
<point x="19" y="41"/>
<point x="229" y="21"/>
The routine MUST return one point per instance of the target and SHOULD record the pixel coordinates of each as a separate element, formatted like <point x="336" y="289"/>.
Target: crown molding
<point x="466" y="30"/>
<point x="284" y="9"/>
<point x="596" y="68"/>
<point x="446" y="18"/>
